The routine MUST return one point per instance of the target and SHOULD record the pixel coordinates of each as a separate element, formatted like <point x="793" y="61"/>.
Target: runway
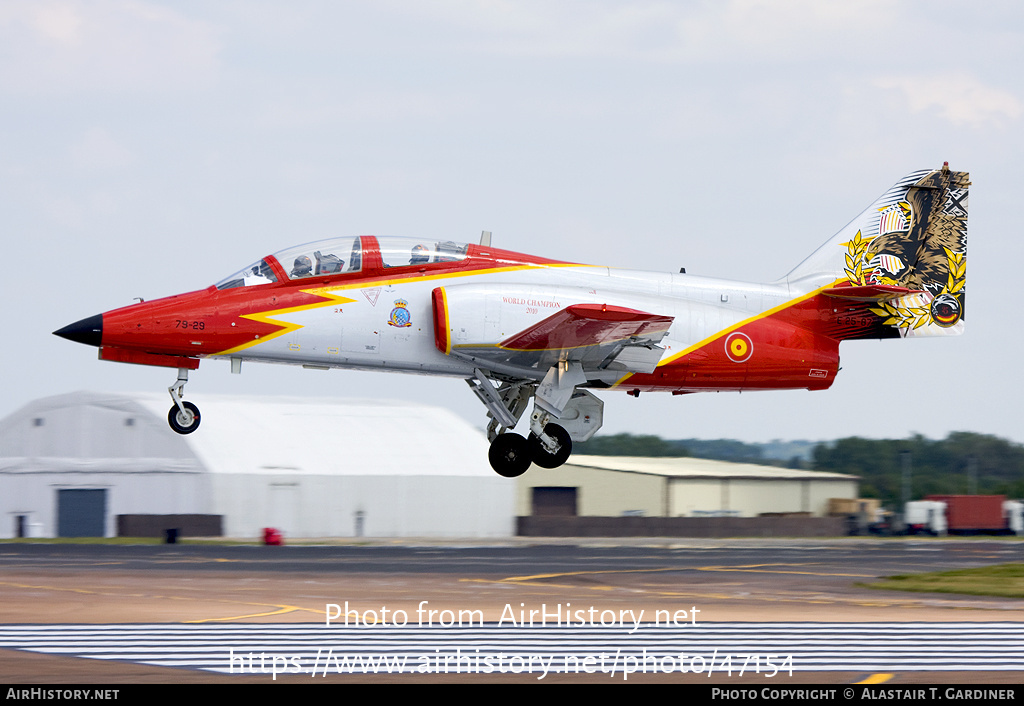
<point x="174" y="613"/>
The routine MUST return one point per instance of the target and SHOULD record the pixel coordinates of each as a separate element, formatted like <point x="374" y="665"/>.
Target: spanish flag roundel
<point x="738" y="347"/>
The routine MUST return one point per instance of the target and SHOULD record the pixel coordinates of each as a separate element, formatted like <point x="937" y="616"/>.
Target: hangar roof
<point x="685" y="467"/>
<point x="90" y="431"/>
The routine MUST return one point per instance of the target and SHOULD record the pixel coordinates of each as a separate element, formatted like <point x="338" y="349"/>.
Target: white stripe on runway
<point x="490" y="648"/>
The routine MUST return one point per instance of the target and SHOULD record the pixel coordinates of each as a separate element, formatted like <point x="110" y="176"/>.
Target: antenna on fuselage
<point x="485" y="238"/>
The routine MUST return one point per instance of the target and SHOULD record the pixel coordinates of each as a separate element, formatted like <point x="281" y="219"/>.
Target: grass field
<point x="1005" y="580"/>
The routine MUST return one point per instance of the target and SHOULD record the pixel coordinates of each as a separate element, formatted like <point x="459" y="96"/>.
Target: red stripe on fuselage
<point x="790" y="349"/>
<point x="200" y="323"/>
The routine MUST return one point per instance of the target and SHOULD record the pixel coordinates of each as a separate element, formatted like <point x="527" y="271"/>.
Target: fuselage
<point x="371" y="307"/>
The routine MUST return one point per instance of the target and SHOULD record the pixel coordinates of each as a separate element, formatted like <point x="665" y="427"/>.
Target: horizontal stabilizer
<point x="870" y="292"/>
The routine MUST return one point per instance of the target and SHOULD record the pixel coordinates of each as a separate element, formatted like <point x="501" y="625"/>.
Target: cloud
<point x="655" y="30"/>
<point x="55" y="46"/>
<point x="57" y="23"/>
<point x="958" y="97"/>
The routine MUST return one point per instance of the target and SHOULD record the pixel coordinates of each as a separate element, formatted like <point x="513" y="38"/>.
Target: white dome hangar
<point x="71" y="464"/>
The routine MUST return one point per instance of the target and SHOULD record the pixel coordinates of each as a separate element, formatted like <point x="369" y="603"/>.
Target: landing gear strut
<point x="184" y="416"/>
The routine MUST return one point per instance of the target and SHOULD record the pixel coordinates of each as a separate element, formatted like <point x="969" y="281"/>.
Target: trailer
<point x="979" y="514"/>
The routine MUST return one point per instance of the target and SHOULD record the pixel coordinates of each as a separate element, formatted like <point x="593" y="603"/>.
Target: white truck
<point x="925" y="517"/>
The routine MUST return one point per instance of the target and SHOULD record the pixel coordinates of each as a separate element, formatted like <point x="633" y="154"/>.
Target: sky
<point x="150" y="148"/>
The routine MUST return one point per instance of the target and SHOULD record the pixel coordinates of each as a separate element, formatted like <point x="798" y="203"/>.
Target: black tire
<point x="510" y="455"/>
<point x="547" y="460"/>
<point x="178" y="421"/>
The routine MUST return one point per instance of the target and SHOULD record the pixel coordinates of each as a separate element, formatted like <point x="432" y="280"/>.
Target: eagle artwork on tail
<point x="921" y="245"/>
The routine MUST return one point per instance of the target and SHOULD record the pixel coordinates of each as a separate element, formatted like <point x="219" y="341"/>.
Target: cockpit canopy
<point x="324" y="257"/>
<point x="344" y="256"/>
<point x="256" y="273"/>
<point x="403" y="252"/>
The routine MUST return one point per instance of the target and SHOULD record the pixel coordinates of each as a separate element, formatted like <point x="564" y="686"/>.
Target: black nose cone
<point x="88" y="331"/>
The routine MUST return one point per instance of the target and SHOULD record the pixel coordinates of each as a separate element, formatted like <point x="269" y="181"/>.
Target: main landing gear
<point x="549" y="444"/>
<point x="511" y="454"/>
<point x="184" y="416"/>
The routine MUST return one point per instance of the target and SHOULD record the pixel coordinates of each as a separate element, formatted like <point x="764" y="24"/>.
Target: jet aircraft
<point x="519" y="328"/>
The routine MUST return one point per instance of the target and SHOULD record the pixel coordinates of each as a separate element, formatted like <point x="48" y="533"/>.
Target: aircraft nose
<point x="88" y="331"/>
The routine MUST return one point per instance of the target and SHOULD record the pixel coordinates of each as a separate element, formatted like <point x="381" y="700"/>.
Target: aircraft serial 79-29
<point x="517" y="327"/>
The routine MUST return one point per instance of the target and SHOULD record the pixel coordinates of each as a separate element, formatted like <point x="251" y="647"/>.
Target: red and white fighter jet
<point x="517" y="327"/>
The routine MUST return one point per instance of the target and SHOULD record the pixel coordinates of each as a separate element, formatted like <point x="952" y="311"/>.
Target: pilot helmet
<point x="420" y="255"/>
<point x="303" y="266"/>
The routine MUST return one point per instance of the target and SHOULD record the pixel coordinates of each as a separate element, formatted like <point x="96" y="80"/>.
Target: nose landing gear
<point x="184" y="421"/>
<point x="184" y="416"/>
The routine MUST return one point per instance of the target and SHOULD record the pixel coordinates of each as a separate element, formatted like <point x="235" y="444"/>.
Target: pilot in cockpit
<point x="420" y="255"/>
<point x="303" y="267"/>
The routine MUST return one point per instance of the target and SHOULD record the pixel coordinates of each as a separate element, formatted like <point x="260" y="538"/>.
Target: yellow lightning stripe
<point x="327" y="292"/>
<point x="267" y="317"/>
<point x="726" y="331"/>
<point x="366" y="284"/>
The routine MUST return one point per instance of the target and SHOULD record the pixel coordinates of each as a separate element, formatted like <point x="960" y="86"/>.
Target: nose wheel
<point x="184" y="416"/>
<point x="184" y="421"/>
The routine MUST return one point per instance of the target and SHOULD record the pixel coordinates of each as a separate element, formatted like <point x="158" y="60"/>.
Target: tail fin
<point x="911" y="243"/>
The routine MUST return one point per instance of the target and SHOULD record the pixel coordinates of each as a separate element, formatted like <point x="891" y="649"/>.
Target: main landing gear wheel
<point x="184" y="422"/>
<point x="542" y="457"/>
<point x="510" y="455"/>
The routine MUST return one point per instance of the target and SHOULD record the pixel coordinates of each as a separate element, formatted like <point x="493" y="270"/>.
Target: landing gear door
<point x="583" y="415"/>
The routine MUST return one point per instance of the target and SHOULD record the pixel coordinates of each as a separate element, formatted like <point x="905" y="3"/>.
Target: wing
<point x="604" y="339"/>
<point x="598" y="336"/>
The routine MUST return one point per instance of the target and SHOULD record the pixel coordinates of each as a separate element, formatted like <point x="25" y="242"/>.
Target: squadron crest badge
<point x="400" y="316"/>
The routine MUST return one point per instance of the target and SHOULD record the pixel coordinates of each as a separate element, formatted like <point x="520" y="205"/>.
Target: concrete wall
<point x="157" y="525"/>
<point x="681" y="527"/>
